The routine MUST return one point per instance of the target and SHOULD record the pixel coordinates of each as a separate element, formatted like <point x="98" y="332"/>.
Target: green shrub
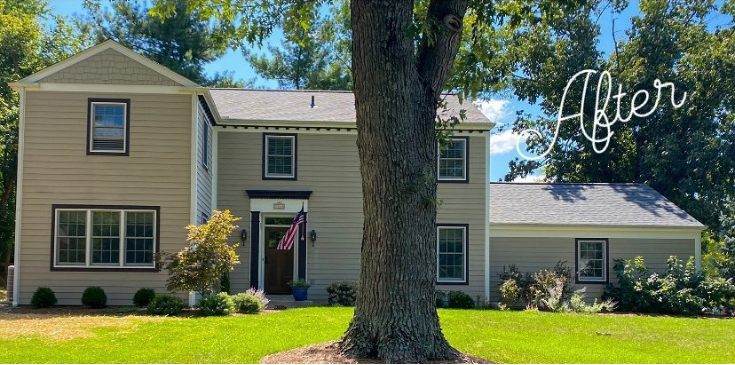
<point x="248" y="303"/>
<point x="164" y="304"/>
<point x="143" y="297"/>
<point x="224" y="283"/>
<point x="441" y="299"/>
<point x="547" y="289"/>
<point x="342" y="293"/>
<point x="260" y="295"/>
<point x="43" y="298"/>
<point x="94" y="297"/>
<point x="461" y="300"/>
<point x="219" y="304"/>
<point x="578" y="305"/>
<point x="680" y="290"/>
<point x="510" y="292"/>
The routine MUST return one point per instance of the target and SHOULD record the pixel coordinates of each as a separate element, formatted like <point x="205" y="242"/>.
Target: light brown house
<point x="117" y="154"/>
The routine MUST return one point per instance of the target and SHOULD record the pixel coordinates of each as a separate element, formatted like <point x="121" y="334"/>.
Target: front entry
<point x="279" y="264"/>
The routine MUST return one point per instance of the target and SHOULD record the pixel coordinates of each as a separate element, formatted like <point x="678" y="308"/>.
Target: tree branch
<point x="440" y="43"/>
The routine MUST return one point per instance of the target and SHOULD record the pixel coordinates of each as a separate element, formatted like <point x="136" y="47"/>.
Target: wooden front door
<point x="278" y="263"/>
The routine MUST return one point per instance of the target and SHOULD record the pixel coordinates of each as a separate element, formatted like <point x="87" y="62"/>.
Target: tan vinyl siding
<point x="109" y="67"/>
<point x="57" y="170"/>
<point x="531" y="254"/>
<point x="204" y="174"/>
<point x="328" y="164"/>
<point x="462" y="203"/>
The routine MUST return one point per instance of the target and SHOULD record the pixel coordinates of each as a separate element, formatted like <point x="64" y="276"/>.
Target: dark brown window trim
<point x="605" y="271"/>
<point x="295" y="155"/>
<point x="466" y="179"/>
<point x="466" y="253"/>
<point x="89" y="126"/>
<point x="157" y="209"/>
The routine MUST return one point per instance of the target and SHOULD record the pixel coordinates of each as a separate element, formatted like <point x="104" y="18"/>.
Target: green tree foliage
<point x="184" y="42"/>
<point x="207" y="256"/>
<point x="316" y="57"/>
<point x="686" y="154"/>
<point x="30" y="39"/>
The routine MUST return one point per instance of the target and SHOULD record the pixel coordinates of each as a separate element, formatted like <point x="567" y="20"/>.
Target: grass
<point x="512" y="337"/>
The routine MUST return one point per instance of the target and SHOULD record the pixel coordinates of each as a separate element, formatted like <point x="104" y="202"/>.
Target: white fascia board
<point x="106" y="88"/>
<point x="582" y="231"/>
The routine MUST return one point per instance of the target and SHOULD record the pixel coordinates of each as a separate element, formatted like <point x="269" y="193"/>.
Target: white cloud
<point x="530" y="179"/>
<point x="493" y="109"/>
<point x="503" y="143"/>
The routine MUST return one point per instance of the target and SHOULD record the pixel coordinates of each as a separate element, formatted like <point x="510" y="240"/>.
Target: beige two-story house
<point x="118" y="154"/>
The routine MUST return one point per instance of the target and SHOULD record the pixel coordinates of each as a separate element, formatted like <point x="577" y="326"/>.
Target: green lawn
<point x="511" y="337"/>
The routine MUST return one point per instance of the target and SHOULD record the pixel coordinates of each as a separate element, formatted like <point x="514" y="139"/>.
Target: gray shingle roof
<point x="632" y="205"/>
<point x="294" y="106"/>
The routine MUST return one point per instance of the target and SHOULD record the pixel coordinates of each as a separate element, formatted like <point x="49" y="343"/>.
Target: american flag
<point x="287" y="240"/>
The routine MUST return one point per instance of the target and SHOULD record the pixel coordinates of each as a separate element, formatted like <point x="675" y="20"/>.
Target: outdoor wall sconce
<point x="312" y="236"/>
<point x="243" y="236"/>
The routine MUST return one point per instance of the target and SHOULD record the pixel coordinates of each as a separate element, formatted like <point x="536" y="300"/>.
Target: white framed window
<point x="97" y="237"/>
<point x="108" y="127"/>
<point x="591" y="260"/>
<point x="205" y="144"/>
<point x="279" y="156"/>
<point x="452" y="160"/>
<point x="451" y="254"/>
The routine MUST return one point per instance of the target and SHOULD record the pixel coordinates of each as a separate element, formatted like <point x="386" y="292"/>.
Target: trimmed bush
<point x="94" y="297"/>
<point x="43" y="298"/>
<point x="219" y="304"/>
<point x="167" y="305"/>
<point x="441" y="299"/>
<point x="342" y="293"/>
<point x="460" y="300"/>
<point x="248" y="303"/>
<point x="143" y="297"/>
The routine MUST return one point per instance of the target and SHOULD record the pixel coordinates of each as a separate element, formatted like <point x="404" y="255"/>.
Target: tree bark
<point x="396" y="92"/>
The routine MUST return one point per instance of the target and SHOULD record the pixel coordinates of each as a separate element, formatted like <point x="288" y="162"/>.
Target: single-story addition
<point x="587" y="225"/>
<point x="118" y="154"/>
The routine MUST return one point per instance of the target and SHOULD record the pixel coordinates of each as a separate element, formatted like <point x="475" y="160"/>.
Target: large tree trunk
<point x="396" y="93"/>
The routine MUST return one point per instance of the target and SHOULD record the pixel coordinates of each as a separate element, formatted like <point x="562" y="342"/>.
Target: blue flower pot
<point x="299" y="294"/>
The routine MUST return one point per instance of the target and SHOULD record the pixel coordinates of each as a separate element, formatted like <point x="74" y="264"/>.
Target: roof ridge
<point x="283" y="90"/>
<point x="557" y="183"/>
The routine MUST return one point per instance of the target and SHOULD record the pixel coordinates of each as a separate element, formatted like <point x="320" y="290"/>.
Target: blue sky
<point x="500" y="110"/>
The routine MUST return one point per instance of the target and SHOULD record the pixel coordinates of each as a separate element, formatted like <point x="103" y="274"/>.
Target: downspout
<point x="19" y="195"/>
<point x="486" y="151"/>
<point x="697" y="252"/>
<point x="194" y="167"/>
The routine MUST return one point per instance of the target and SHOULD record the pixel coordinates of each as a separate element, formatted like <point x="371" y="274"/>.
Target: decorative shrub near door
<point x="342" y="293"/>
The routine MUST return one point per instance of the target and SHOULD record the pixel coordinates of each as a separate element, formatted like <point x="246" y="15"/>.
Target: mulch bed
<point x="328" y="353"/>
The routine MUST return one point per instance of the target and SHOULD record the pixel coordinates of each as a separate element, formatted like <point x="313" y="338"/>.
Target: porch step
<point x="286" y="301"/>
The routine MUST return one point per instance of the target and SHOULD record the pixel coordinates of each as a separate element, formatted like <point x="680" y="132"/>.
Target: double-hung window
<point x="452" y="161"/>
<point x="108" y="128"/>
<point x="451" y="260"/>
<point x="591" y="262"/>
<point x="279" y="156"/>
<point x="105" y="237"/>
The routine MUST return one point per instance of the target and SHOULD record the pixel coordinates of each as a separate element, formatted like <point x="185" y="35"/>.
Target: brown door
<point x="278" y="263"/>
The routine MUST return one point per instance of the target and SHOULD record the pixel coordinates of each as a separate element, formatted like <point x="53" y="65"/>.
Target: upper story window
<point x="108" y="127"/>
<point x="279" y="156"/>
<point x="451" y="251"/>
<point x="591" y="261"/>
<point x="205" y="144"/>
<point x="452" y="161"/>
<point x="105" y="237"/>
